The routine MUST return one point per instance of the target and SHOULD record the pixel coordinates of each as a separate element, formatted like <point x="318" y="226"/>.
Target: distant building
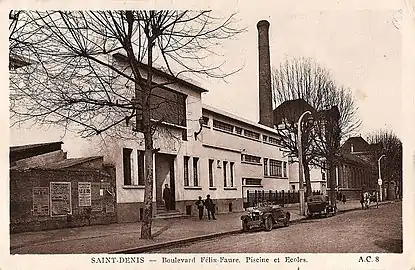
<point x="358" y="170"/>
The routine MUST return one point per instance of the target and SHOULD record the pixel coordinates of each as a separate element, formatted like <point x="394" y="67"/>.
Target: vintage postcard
<point x="182" y="135"/>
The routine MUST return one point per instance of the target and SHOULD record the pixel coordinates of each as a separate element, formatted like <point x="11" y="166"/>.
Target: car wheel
<point x="245" y="227"/>
<point x="269" y="223"/>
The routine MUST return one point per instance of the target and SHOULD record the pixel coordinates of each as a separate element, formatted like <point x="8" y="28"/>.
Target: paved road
<point x="363" y="231"/>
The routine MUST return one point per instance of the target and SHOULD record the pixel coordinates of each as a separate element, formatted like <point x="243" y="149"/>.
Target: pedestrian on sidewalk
<point x="344" y="199"/>
<point x="362" y="199"/>
<point x="167" y="197"/>
<point x="200" y="206"/>
<point x="210" y="206"/>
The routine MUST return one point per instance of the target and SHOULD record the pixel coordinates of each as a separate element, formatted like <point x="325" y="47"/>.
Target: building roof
<point x="291" y="110"/>
<point x="16" y="61"/>
<point x="70" y="162"/>
<point x="20" y="148"/>
<point x="187" y="82"/>
<point x="238" y="118"/>
<point x="355" y="159"/>
<point x="31" y="150"/>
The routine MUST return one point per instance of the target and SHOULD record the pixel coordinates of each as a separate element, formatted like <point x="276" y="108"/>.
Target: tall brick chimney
<point x="265" y="92"/>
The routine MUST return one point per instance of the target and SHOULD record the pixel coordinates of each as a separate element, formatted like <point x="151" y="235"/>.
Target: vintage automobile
<point x="319" y="205"/>
<point x="265" y="217"/>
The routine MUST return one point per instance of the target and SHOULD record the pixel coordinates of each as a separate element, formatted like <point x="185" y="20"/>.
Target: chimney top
<point x="263" y="23"/>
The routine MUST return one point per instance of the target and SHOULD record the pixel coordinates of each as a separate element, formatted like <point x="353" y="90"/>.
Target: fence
<point x="253" y="198"/>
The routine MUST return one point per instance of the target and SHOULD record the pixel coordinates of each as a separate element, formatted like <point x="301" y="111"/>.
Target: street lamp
<point x="380" y="179"/>
<point x="300" y="162"/>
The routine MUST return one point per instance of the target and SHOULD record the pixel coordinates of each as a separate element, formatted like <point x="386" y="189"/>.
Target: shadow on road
<point x="390" y="245"/>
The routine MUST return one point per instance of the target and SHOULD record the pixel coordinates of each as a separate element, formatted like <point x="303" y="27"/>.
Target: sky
<point x="358" y="44"/>
<point x="361" y="49"/>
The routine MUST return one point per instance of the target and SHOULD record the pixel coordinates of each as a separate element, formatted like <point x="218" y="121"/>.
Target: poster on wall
<point x="84" y="193"/>
<point x="40" y="201"/>
<point x="96" y="202"/>
<point x="60" y="199"/>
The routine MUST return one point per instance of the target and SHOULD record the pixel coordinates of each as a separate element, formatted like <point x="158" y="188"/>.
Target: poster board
<point x="96" y="202"/>
<point x="84" y="194"/>
<point x="40" y="201"/>
<point x="60" y="199"/>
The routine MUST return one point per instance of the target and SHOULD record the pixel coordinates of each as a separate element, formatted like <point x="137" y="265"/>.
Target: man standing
<point x="167" y="197"/>
<point x="200" y="206"/>
<point x="210" y="207"/>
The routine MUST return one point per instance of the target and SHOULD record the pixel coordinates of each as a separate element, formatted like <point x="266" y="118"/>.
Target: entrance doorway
<point x="164" y="165"/>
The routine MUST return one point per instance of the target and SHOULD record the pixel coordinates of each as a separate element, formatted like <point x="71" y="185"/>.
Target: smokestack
<point x="265" y="92"/>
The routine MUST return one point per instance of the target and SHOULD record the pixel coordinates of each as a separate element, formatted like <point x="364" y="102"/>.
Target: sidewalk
<point x="125" y="237"/>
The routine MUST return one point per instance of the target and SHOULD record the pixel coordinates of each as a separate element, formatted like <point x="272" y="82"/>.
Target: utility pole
<point x="380" y="179"/>
<point x="300" y="164"/>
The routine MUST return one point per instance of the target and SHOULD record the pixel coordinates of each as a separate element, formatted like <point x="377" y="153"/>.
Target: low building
<point x="50" y="191"/>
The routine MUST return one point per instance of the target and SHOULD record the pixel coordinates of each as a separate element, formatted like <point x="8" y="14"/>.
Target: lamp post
<point x="300" y="164"/>
<point x="380" y="179"/>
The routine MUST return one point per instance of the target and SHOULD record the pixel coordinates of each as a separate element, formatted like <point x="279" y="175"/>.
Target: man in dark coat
<point x="362" y="199"/>
<point x="167" y="196"/>
<point x="210" y="207"/>
<point x="200" y="206"/>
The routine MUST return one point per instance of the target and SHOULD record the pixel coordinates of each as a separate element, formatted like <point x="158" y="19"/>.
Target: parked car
<point x="319" y="205"/>
<point x="265" y="217"/>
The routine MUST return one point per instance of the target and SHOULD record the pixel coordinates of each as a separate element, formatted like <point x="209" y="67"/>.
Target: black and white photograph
<point x="220" y="135"/>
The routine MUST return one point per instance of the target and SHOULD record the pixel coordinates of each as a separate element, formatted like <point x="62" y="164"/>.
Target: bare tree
<point x="95" y="72"/>
<point x="385" y="142"/>
<point x="304" y="81"/>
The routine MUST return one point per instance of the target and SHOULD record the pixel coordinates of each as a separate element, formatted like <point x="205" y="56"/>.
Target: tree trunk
<point x="148" y="152"/>
<point x="332" y="181"/>
<point x="148" y="166"/>
<point x="148" y="191"/>
<point x="307" y="179"/>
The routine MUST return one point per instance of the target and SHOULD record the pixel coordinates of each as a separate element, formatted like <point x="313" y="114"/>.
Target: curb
<point x="174" y="243"/>
<point x="143" y="249"/>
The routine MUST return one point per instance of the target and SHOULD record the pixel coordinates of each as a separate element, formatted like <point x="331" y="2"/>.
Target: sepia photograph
<point x="213" y="131"/>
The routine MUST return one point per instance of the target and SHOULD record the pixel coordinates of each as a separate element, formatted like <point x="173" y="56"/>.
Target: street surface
<point x="361" y="231"/>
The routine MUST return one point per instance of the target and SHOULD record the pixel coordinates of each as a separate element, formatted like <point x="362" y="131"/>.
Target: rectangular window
<point x="265" y="166"/>
<point x="252" y="182"/>
<point x="323" y="174"/>
<point x="222" y="126"/>
<point x="238" y="130"/>
<point x="293" y="187"/>
<point x="264" y="138"/>
<point x="275" y="168"/>
<point x="225" y="165"/>
<point x="126" y="156"/>
<point x="195" y="171"/>
<point x="251" y="134"/>
<point x="211" y="161"/>
<point x="140" y="167"/>
<point x="231" y="173"/>
<point x="205" y="120"/>
<point x="186" y="171"/>
<point x="249" y="158"/>
<point x="167" y="105"/>
<point x="273" y="140"/>
<point x="284" y="169"/>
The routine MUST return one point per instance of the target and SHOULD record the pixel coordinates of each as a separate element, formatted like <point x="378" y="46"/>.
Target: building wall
<point x="318" y="181"/>
<point x="234" y="144"/>
<point x="210" y="144"/>
<point x="24" y="218"/>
